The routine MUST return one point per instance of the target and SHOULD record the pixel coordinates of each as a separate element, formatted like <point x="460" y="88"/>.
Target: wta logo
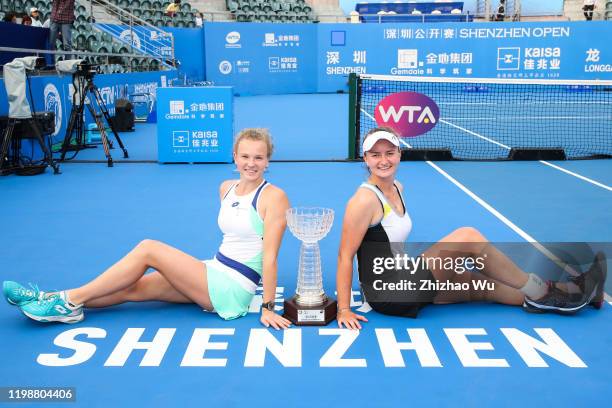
<point x="409" y="113"/>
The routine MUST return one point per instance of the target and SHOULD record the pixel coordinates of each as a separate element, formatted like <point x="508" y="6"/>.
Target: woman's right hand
<point x="349" y="319"/>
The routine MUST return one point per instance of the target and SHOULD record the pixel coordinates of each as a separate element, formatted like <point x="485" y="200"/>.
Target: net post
<point x="353" y="108"/>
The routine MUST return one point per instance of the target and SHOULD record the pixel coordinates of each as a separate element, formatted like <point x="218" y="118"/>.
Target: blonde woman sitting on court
<point x="225" y="284"/>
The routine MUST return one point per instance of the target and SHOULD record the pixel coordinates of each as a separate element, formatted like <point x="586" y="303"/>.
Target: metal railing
<point x="411" y="18"/>
<point x="104" y="62"/>
<point x="140" y="36"/>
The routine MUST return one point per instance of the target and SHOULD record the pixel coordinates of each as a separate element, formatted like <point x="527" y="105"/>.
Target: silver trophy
<point x="310" y="305"/>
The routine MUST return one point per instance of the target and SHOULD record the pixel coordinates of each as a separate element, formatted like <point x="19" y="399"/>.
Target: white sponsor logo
<point x="508" y="58"/>
<point x="407" y="58"/>
<point x="177" y="107"/>
<point x="53" y="103"/>
<point x="233" y="37"/>
<point x="130" y="37"/>
<point x="180" y="138"/>
<point x="232" y="40"/>
<point x="225" y="67"/>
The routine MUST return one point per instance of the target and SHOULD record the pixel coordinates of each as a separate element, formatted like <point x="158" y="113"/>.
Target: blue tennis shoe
<point x="19" y="295"/>
<point x="54" y="308"/>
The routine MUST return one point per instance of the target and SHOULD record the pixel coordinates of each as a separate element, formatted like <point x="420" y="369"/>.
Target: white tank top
<point x="242" y="228"/>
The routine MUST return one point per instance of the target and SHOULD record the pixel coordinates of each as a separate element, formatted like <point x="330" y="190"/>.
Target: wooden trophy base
<point x="310" y="315"/>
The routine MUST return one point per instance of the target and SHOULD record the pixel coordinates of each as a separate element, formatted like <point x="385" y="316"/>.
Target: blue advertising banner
<point x="262" y="58"/>
<point x="143" y="38"/>
<point x="195" y="125"/>
<point x="552" y="50"/>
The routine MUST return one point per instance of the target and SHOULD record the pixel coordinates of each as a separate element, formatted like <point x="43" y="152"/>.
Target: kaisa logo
<point x="53" y="103"/>
<point x="130" y="37"/>
<point x="409" y="113"/>
<point x="508" y="59"/>
<point x="273" y="63"/>
<point x="232" y="39"/>
<point x="177" y="107"/>
<point x="180" y="138"/>
<point x="225" y="67"/>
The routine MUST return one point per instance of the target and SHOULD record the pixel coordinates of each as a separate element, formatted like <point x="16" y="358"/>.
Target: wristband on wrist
<point x="342" y="309"/>
<point x="268" y="306"/>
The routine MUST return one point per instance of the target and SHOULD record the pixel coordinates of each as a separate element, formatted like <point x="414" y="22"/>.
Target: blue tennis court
<point x="60" y="231"/>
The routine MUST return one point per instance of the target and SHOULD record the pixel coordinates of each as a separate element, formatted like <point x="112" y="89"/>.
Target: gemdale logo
<point x="53" y="103"/>
<point x="225" y="67"/>
<point x="232" y="39"/>
<point x="409" y="113"/>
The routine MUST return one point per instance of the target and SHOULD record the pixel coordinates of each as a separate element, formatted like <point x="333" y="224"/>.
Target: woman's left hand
<point x="269" y="318"/>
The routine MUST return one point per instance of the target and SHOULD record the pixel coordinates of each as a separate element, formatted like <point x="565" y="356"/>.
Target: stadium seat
<point x="240" y="16"/>
<point x="245" y="6"/>
<point x="157" y="5"/>
<point x="81" y="42"/>
<point x="185" y="7"/>
<point x="123" y="3"/>
<point x="232" y="6"/>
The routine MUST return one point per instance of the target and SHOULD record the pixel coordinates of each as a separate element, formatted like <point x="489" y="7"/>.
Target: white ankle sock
<point x="535" y="287"/>
<point x="64" y="295"/>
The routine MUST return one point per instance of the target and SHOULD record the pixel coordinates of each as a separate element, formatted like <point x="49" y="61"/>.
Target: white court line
<point x="495" y="142"/>
<point x="571" y="173"/>
<point x="476" y="134"/>
<point x="581" y="177"/>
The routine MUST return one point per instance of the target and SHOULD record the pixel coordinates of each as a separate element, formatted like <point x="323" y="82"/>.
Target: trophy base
<point x="319" y="315"/>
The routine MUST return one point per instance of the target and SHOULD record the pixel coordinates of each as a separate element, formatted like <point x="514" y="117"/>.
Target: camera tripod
<point x="8" y="166"/>
<point x="87" y="94"/>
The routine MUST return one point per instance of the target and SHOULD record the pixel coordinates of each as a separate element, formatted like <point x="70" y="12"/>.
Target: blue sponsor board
<point x="262" y="58"/>
<point x="552" y="50"/>
<point x="195" y="125"/>
<point x="142" y="38"/>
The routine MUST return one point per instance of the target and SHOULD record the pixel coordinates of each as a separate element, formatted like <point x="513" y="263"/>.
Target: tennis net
<point x="485" y="119"/>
